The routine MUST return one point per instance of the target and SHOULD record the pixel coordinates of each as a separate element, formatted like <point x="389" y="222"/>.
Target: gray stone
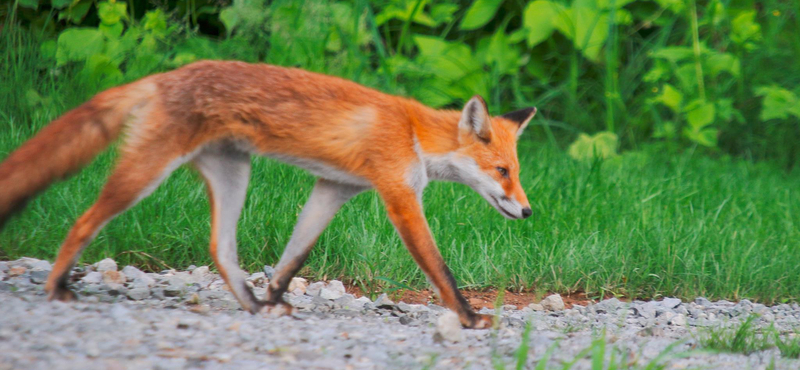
<point x="332" y="291"/>
<point x="138" y="294"/>
<point x="93" y="277"/>
<point x="38" y="276"/>
<point x="314" y="288"/>
<point x="40" y="265"/>
<point x="553" y="303"/>
<point x="383" y="301"/>
<point x="258" y="279"/>
<point x="671" y="303"/>
<point x="107" y="264"/>
<point x="448" y="328"/>
<point x="536" y="307"/>
<point x="269" y="271"/>
<point x="4" y="266"/>
<point x="132" y="273"/>
<point x="678" y="320"/>
<point x="702" y="301"/>
<point x="143" y="281"/>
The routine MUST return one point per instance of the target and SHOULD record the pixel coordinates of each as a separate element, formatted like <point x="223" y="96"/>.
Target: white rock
<point x="2" y="274"/>
<point x="553" y="303"/>
<point x="334" y="290"/>
<point x="448" y="328"/>
<point x="298" y="283"/>
<point x="258" y="279"/>
<point x="40" y="265"/>
<point x="93" y="277"/>
<point x="360" y="302"/>
<point x="138" y="294"/>
<point x="107" y="264"/>
<point x="536" y="307"/>
<point x="327" y="293"/>
<point x="314" y="289"/>
<point x="678" y="320"/>
<point x="671" y="302"/>
<point x="132" y="273"/>
<point x="143" y="281"/>
<point x="26" y="262"/>
<point x="202" y="273"/>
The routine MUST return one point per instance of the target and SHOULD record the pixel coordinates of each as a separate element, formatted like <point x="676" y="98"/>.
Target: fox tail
<point x="64" y="146"/>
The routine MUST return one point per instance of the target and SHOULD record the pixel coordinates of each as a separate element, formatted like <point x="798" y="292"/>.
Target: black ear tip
<point x="520" y="116"/>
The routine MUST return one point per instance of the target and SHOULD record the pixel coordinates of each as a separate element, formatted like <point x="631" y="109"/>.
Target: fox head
<point x="486" y="158"/>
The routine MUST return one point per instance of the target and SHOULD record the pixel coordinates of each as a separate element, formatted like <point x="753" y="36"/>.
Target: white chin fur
<point x="508" y="209"/>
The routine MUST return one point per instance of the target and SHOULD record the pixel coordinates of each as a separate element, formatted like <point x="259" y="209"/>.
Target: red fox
<point x="216" y="114"/>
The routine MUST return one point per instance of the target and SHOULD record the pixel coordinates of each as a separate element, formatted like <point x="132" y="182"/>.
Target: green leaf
<point x="30" y="4"/>
<point x="723" y="62"/>
<point x="101" y="68"/>
<point x="602" y="145"/>
<point x="111" y="31"/>
<point x="155" y="21"/>
<point x="670" y="97"/>
<point x="745" y="29"/>
<point x="539" y="19"/>
<point x="230" y="18"/>
<point x="77" y="44"/>
<point x="48" y="50"/>
<point x="503" y="55"/>
<point x="76" y="11"/>
<point x="443" y="13"/>
<point x="674" y="54"/>
<point x="112" y="13"/>
<point x="701" y="116"/>
<point x="779" y="103"/>
<point x="705" y="137"/>
<point x="479" y="13"/>
<point x="60" y="4"/>
<point x="591" y="32"/>
<point x="447" y="60"/>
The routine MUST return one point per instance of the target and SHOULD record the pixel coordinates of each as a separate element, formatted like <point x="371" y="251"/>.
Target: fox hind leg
<point x="325" y="200"/>
<point x="227" y="173"/>
<point x="139" y="171"/>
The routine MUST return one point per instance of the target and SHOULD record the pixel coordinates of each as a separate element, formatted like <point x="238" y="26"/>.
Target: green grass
<point x="652" y="222"/>
<point x="746" y="338"/>
<point x="645" y="224"/>
<point x="743" y="338"/>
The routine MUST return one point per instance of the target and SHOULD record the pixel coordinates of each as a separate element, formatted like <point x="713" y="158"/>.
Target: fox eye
<point x="503" y="171"/>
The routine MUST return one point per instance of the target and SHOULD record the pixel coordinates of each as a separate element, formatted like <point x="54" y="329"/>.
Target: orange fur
<point x="268" y="110"/>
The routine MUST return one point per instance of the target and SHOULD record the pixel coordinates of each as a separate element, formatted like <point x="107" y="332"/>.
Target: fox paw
<point x="480" y="321"/>
<point x="276" y="309"/>
<point x="62" y="294"/>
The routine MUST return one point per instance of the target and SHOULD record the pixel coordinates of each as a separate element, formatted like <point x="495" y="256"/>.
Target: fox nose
<point x="526" y="212"/>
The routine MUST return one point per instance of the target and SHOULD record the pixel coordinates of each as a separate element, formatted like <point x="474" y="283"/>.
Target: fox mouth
<point x="502" y="210"/>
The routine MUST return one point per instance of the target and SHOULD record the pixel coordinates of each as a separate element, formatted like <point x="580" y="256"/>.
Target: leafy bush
<point x="718" y="74"/>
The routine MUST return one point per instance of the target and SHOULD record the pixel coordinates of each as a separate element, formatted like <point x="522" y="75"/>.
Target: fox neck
<point x="436" y="134"/>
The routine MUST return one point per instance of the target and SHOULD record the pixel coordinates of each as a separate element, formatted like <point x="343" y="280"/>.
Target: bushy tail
<point x="63" y="147"/>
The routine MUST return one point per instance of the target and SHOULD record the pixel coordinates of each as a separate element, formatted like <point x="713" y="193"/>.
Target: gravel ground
<point x="128" y="319"/>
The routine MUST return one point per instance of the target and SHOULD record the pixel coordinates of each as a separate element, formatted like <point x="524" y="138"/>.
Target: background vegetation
<point x="695" y="106"/>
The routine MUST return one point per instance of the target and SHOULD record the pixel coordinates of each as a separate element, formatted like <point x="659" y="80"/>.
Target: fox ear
<point x="475" y="119"/>
<point x="521" y="117"/>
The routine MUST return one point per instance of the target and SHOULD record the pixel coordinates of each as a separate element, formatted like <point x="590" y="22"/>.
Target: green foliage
<point x="683" y="71"/>
<point x="601" y="145"/>
<point x="742" y="338"/>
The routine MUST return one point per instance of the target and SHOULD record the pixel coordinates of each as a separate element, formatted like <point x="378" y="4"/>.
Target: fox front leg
<point x="405" y="211"/>
<point x="323" y="203"/>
